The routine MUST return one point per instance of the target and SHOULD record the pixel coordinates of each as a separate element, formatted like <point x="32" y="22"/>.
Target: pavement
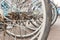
<point x="55" y="31"/>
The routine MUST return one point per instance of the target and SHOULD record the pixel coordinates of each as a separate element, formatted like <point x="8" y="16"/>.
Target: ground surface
<point x="55" y="31"/>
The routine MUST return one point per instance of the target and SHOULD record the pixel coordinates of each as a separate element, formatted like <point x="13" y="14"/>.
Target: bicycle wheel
<point x="54" y="13"/>
<point x="39" y="33"/>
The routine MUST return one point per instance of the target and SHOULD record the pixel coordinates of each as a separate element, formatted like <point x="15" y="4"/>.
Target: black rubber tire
<point x="48" y="18"/>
